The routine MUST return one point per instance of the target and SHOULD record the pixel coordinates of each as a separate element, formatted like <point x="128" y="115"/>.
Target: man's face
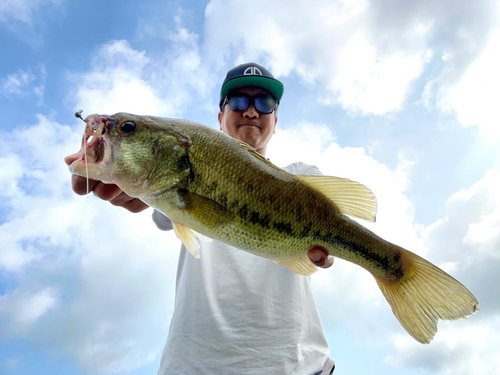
<point x="249" y="125"/>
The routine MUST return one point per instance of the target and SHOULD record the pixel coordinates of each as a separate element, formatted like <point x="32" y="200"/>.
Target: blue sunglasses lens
<point x="263" y="103"/>
<point x="239" y="103"/>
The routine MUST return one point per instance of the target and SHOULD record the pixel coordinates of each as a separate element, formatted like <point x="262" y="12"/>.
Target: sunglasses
<point x="264" y="104"/>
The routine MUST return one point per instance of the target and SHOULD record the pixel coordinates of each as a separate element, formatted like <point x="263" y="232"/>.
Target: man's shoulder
<point x="302" y="168"/>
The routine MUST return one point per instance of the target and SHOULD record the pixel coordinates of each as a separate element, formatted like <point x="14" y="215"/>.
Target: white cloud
<point x="484" y="234"/>
<point x="373" y="84"/>
<point x="123" y="79"/>
<point x="475" y="97"/>
<point x="23" y="17"/>
<point x="10" y="173"/>
<point x="469" y="212"/>
<point x="14" y="257"/>
<point x="14" y="84"/>
<point x="25" y="83"/>
<point x="31" y="190"/>
<point x="329" y="44"/>
<point x="367" y="56"/>
<point x="456" y="351"/>
<point x="26" y="307"/>
<point x="116" y="83"/>
<point x="22" y="10"/>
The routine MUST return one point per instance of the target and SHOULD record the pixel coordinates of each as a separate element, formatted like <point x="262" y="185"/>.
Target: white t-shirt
<point x="237" y="313"/>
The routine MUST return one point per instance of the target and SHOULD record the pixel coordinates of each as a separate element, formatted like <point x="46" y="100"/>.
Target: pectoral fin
<point x="204" y="209"/>
<point x="188" y="238"/>
<point x="349" y="196"/>
<point x="301" y="265"/>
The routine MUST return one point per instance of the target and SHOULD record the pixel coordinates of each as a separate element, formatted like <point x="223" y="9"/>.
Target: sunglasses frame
<point x="251" y="101"/>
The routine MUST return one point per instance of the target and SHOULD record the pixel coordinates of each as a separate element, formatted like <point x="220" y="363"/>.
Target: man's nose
<point x="251" y="112"/>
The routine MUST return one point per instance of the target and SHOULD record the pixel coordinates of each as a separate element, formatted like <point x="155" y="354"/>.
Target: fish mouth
<point x="96" y="149"/>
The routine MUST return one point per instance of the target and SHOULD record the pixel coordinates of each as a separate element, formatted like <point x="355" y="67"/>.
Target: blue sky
<point x="399" y="97"/>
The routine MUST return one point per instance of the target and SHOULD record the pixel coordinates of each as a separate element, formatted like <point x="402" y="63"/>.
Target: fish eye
<point x="128" y="128"/>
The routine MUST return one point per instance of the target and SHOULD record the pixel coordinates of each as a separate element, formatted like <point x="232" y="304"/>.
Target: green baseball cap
<point x="251" y="74"/>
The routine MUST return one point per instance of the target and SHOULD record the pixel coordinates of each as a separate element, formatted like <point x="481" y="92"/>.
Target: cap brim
<point x="272" y="85"/>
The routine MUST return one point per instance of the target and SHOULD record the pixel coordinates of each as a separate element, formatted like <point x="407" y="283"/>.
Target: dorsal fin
<point x="254" y="153"/>
<point x="349" y="196"/>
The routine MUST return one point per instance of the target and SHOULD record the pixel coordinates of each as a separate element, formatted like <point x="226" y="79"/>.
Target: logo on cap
<point x="252" y="71"/>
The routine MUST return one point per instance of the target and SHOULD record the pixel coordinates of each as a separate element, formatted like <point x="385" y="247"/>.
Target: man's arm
<point x="162" y="221"/>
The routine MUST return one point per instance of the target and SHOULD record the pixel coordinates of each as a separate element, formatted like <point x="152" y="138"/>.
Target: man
<point x="237" y="313"/>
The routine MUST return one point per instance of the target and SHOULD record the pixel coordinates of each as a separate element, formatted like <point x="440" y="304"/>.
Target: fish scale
<point x="267" y="216"/>
<point x="212" y="185"/>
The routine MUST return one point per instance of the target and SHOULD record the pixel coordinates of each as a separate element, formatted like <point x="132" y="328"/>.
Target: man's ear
<point x="220" y="119"/>
<point x="275" y="122"/>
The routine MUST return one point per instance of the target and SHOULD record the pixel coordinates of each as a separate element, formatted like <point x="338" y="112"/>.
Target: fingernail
<point x="315" y="257"/>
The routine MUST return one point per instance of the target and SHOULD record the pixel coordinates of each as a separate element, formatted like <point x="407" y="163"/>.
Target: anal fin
<point x="301" y="265"/>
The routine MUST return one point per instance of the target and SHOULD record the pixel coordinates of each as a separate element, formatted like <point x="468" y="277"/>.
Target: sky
<point x="400" y="96"/>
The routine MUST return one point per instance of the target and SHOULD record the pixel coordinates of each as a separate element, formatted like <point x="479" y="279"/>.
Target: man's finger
<point x="328" y="262"/>
<point x="135" y="205"/>
<point x="121" y="199"/>
<point x="107" y="192"/>
<point x="132" y="204"/>
<point x="79" y="184"/>
<point x="320" y="257"/>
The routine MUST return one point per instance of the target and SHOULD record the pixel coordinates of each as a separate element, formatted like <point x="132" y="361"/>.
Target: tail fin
<point x="424" y="295"/>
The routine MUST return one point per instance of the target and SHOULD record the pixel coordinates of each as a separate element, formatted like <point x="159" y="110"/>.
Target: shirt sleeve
<point x="303" y="168"/>
<point x="162" y="221"/>
<point x="312" y="170"/>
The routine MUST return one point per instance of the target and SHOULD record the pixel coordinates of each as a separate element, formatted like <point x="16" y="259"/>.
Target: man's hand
<point x="107" y="192"/>
<point x="320" y="257"/>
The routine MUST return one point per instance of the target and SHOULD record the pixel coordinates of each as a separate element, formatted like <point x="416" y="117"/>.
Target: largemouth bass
<point x="212" y="185"/>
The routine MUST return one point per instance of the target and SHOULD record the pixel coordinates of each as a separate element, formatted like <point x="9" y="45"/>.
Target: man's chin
<point x="247" y="133"/>
<point x="250" y="142"/>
